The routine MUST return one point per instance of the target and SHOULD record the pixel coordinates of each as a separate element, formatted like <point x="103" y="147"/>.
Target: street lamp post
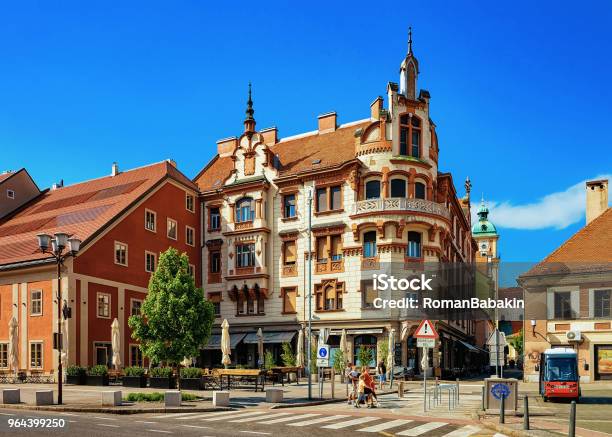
<point x="309" y="292"/>
<point x="56" y="246"/>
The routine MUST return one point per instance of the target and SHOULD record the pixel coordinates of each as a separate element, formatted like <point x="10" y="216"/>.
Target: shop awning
<point x="270" y="337"/>
<point x="214" y="343"/>
<point x="355" y="331"/>
<point x="469" y="347"/>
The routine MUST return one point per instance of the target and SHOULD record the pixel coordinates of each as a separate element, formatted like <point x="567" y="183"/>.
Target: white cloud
<point x="556" y="210"/>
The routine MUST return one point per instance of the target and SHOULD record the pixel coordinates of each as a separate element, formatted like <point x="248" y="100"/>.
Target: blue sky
<point x="520" y="91"/>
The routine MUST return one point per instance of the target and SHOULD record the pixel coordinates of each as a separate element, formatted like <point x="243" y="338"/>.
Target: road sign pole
<point x="424" y="365"/>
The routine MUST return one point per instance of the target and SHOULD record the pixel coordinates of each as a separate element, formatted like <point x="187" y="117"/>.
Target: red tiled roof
<point x="7" y="175"/>
<point x="296" y="154"/>
<point x="589" y="249"/>
<point x="80" y="210"/>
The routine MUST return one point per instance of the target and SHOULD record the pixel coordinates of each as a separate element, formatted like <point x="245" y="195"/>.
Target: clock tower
<point x="486" y="236"/>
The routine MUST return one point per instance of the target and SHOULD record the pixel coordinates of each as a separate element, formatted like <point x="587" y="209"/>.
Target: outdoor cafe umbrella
<point x="390" y="355"/>
<point x="344" y="350"/>
<point x="260" y="348"/>
<point x="226" y="345"/>
<point x="116" y="344"/>
<point x="299" y="360"/>
<point x="13" y="345"/>
<point x="64" y="353"/>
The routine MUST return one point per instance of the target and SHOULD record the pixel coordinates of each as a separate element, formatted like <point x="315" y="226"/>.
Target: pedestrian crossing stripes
<point x="318" y="420"/>
<point x="267" y="416"/>
<point x="386" y="425"/>
<point x="352" y="422"/>
<point x="422" y="429"/>
<point x="366" y="424"/>
<point x="287" y="419"/>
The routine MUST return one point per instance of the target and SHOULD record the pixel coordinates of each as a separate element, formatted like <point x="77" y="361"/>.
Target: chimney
<point x="327" y="122"/>
<point x="226" y="146"/>
<point x="114" y="169"/>
<point x="375" y="108"/>
<point x="270" y="135"/>
<point x="596" y="199"/>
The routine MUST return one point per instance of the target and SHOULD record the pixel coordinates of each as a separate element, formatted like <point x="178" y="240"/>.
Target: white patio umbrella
<point x="226" y="345"/>
<point x="13" y="345"/>
<point x="260" y="348"/>
<point x="344" y="350"/>
<point x="299" y="359"/>
<point x="116" y="344"/>
<point x="65" y="344"/>
<point x="186" y="362"/>
<point x="391" y="355"/>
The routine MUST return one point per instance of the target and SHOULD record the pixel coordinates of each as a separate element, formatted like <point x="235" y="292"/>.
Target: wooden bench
<point x="256" y="375"/>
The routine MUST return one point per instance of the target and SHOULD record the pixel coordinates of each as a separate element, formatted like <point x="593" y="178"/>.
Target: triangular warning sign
<point x="425" y="330"/>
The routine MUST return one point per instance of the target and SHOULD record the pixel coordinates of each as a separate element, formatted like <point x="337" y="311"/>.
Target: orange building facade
<point x="125" y="221"/>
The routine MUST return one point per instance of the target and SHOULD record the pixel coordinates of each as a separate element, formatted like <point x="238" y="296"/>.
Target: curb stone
<point x="116" y="410"/>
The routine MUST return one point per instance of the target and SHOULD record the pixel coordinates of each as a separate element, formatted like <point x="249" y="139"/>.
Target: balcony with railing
<point x="400" y="204"/>
<point x="329" y="265"/>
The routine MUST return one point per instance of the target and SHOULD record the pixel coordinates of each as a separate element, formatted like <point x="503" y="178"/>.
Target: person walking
<point x="381" y="371"/>
<point x="370" y="385"/>
<point x="352" y="381"/>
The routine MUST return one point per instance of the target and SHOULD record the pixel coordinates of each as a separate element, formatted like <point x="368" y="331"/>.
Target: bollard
<point x="502" y="410"/>
<point x="526" y="413"/>
<point x="572" y="423"/>
<point x="457" y="390"/>
<point x="333" y="383"/>
<point x="483" y="398"/>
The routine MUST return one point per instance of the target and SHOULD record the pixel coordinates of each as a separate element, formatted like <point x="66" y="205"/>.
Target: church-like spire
<point x="409" y="71"/>
<point x="249" y="121"/>
<point x="410" y="40"/>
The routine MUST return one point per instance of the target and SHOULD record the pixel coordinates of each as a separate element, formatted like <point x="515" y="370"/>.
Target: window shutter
<point x="322" y="199"/>
<point x="550" y="304"/>
<point x="591" y="304"/>
<point x="321" y="248"/>
<point x="336" y="242"/>
<point x="289" y="252"/>
<point x="335" y="193"/>
<point x="575" y="302"/>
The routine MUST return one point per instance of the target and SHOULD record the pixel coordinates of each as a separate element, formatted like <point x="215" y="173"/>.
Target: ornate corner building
<point x="378" y="199"/>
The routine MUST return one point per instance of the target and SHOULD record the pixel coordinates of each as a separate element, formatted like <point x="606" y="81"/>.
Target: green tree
<point x="269" y="360"/>
<point x="175" y="319"/>
<point x="517" y="343"/>
<point x="339" y="362"/>
<point x="287" y="355"/>
<point x="365" y="355"/>
<point x="383" y="351"/>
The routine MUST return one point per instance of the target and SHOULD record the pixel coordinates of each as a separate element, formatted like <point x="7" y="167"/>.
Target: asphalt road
<point x="251" y="422"/>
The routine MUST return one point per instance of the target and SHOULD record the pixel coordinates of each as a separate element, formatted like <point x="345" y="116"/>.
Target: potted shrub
<point x="191" y="378"/>
<point x="134" y="377"/>
<point x="162" y="377"/>
<point x="97" y="375"/>
<point x="76" y="375"/>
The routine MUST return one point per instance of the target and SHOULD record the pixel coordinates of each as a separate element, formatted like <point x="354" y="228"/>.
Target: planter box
<point x="97" y="380"/>
<point x="134" y="381"/>
<point x="155" y="382"/>
<point x="76" y="379"/>
<point x="191" y="383"/>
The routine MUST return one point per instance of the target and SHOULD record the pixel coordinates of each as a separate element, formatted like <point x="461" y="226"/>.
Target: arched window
<point x="372" y="189"/>
<point x="414" y="244"/>
<point x="398" y="188"/>
<point x="244" y="210"/>
<point x="369" y="244"/>
<point x="419" y="190"/>
<point x="410" y="136"/>
<point x="365" y="343"/>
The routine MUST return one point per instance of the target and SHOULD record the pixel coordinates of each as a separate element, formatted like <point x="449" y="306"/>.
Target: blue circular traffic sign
<point x="322" y="352"/>
<point x="500" y="391"/>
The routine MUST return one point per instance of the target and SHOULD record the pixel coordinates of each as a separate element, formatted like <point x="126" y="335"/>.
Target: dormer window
<point x="410" y="136"/>
<point x="244" y="210"/>
<point x="372" y="189"/>
<point x="10" y="194"/>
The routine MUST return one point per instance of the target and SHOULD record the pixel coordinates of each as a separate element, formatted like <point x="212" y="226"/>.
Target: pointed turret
<point x="249" y="121"/>
<point x="409" y="71"/>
